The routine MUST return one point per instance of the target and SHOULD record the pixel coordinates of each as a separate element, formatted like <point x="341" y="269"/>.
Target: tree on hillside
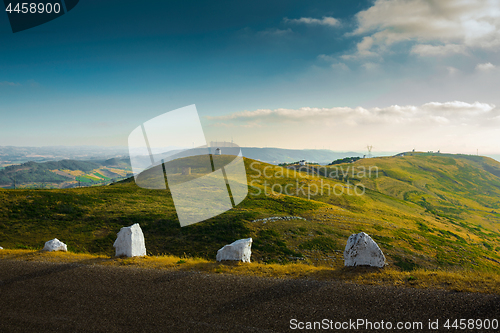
<point x="345" y="160"/>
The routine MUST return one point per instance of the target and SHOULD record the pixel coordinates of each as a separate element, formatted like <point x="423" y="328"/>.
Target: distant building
<point x="218" y="151"/>
<point x="302" y="162"/>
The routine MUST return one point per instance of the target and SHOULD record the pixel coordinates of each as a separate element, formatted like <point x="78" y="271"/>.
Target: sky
<point x="394" y="74"/>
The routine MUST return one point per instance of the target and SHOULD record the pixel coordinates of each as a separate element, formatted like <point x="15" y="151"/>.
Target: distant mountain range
<point x="17" y="155"/>
<point x="278" y="155"/>
<point x="63" y="167"/>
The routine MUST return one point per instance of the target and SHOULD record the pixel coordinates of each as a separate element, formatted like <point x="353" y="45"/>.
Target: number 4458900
<point x="34" y="8"/>
<point x="478" y="324"/>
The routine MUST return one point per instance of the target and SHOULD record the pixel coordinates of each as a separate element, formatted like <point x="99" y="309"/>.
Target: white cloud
<point x="438" y="50"/>
<point x="327" y="58"/>
<point x="433" y="112"/>
<point x="335" y="64"/>
<point x="253" y="124"/>
<point x="370" y="66"/>
<point x="364" y="46"/>
<point x="456" y="107"/>
<point x="340" y="65"/>
<point x="328" y="21"/>
<point x="452" y="70"/>
<point x="453" y="126"/>
<point x="439" y="27"/>
<point x="485" y="67"/>
<point x="221" y="125"/>
<point x="7" y="83"/>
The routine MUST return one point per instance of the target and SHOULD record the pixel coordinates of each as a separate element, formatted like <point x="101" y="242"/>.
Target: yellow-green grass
<point x="412" y="234"/>
<point x="121" y="172"/>
<point x="97" y="175"/>
<point x="409" y="230"/>
<point x="74" y="172"/>
<point x="456" y="280"/>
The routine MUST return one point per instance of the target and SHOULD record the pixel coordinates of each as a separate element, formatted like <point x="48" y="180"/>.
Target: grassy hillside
<point x="424" y="211"/>
<point x="62" y="174"/>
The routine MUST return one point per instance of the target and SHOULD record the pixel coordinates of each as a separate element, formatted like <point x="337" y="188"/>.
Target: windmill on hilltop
<point x="369" y="151"/>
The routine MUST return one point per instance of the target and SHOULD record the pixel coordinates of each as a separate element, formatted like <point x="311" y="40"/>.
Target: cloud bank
<point x="438" y="27"/>
<point x="434" y="112"/>
<point x="454" y="126"/>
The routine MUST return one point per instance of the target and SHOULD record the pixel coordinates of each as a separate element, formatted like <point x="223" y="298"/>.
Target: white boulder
<point x="1" y="248"/>
<point x="238" y="250"/>
<point x="361" y="249"/>
<point x="55" y="245"/>
<point x="130" y="242"/>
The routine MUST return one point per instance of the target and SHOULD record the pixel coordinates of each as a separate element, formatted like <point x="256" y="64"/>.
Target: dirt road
<point x="48" y="297"/>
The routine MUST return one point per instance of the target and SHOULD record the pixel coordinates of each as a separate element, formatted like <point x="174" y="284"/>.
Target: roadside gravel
<point x="46" y="297"/>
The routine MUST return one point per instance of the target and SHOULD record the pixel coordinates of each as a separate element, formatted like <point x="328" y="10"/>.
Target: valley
<point x="425" y="212"/>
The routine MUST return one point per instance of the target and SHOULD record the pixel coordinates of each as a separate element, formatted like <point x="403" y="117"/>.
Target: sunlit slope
<point x="411" y="231"/>
<point x="460" y="189"/>
<point x="459" y="193"/>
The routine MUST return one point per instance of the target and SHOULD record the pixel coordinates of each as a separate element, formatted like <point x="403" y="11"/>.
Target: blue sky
<point x="294" y="74"/>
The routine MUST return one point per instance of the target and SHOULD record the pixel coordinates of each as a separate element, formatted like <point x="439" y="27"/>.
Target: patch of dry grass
<point x="457" y="280"/>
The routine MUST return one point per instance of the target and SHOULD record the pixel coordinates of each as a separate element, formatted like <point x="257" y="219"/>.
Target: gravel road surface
<point x="50" y="297"/>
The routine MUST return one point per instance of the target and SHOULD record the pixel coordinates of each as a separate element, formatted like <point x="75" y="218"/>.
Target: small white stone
<point x="55" y="245"/>
<point x="238" y="250"/>
<point x="361" y="249"/>
<point x="1" y="248"/>
<point x="130" y="242"/>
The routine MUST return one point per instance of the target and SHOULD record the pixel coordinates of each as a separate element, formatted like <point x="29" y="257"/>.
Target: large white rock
<point x="238" y="250"/>
<point x="55" y="245"/>
<point x="130" y="242"/>
<point x="1" y="248"/>
<point x="361" y="249"/>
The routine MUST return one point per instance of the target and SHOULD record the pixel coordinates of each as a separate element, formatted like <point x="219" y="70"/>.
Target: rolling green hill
<point x="61" y="173"/>
<point x="432" y="211"/>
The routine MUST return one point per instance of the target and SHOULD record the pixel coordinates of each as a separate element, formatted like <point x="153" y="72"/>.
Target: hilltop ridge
<point x="423" y="211"/>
